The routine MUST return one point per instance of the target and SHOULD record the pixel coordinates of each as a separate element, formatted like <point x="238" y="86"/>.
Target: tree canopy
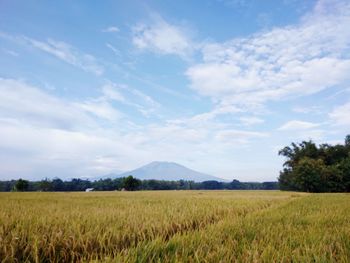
<point x="316" y="168"/>
<point x="131" y="183"/>
<point x="21" y="185"/>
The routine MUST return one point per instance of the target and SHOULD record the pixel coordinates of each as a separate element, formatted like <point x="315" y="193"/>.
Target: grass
<point x="175" y="226"/>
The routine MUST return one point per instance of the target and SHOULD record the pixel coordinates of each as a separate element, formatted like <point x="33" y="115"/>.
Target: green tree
<point x="344" y="168"/>
<point x="308" y="175"/>
<point x="21" y="185"/>
<point x="235" y="185"/>
<point x="333" y="179"/>
<point x="347" y="141"/>
<point x="286" y="180"/>
<point x="45" y="185"/>
<point x="298" y="151"/>
<point x="131" y="184"/>
<point x="58" y="185"/>
<point x="312" y="168"/>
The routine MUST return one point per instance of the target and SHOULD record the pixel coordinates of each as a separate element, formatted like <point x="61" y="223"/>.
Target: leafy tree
<point x="211" y="185"/>
<point x="344" y="169"/>
<point x="312" y="168"/>
<point x="131" y="184"/>
<point x="333" y="154"/>
<point x="286" y="180"/>
<point x="347" y="141"/>
<point x="7" y="186"/>
<point x="333" y="179"/>
<point x="235" y="185"/>
<point x="45" y="185"/>
<point x="21" y="185"/>
<point x="298" y="151"/>
<point x="58" y="185"/>
<point x="308" y="175"/>
<point x="77" y="185"/>
<point x="270" y="185"/>
<point x="118" y="183"/>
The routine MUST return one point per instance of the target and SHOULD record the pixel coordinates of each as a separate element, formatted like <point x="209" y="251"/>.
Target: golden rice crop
<point x="174" y="226"/>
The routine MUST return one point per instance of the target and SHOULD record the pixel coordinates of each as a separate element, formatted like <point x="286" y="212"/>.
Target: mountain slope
<point x="168" y="171"/>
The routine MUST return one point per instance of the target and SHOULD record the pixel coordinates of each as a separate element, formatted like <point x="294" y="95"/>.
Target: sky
<point x="89" y="88"/>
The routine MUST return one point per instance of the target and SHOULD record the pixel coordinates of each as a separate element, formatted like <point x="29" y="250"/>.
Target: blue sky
<point x="88" y="88"/>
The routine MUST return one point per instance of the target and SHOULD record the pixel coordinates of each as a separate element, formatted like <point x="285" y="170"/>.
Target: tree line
<point x="316" y="168"/>
<point x="129" y="183"/>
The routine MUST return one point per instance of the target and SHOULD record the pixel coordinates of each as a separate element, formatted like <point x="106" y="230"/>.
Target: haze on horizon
<point x="90" y="88"/>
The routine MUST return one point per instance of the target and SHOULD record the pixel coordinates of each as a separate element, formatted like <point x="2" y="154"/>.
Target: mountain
<point x="168" y="171"/>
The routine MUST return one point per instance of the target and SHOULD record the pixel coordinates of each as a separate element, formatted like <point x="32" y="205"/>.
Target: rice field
<point x="175" y="226"/>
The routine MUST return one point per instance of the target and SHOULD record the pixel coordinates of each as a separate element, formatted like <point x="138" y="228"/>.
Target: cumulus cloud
<point x="282" y="63"/>
<point x="162" y="37"/>
<point x="41" y="132"/>
<point x="38" y="152"/>
<point x="46" y="135"/>
<point x="91" y="136"/>
<point x="27" y="103"/>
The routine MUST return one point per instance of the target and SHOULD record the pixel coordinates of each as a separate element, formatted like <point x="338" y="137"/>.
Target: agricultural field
<point x="175" y="226"/>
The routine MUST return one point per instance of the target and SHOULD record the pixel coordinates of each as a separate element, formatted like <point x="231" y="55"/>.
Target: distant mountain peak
<point x="170" y="171"/>
<point x="162" y="163"/>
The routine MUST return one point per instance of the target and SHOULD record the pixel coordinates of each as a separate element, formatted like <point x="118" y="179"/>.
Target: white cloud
<point x="247" y="121"/>
<point x="68" y="54"/>
<point x="60" y="50"/>
<point x="30" y="104"/>
<point x="296" y="125"/>
<point x="100" y="108"/>
<point x="110" y="91"/>
<point x="239" y="136"/>
<point x="207" y="117"/>
<point x="38" y="152"/>
<point x="114" y="49"/>
<point x="316" y="135"/>
<point x="51" y="136"/>
<point x="161" y="37"/>
<point x="307" y="110"/>
<point x="177" y="134"/>
<point x="281" y="63"/>
<point x="10" y="52"/>
<point x="42" y="132"/>
<point x="45" y="135"/>
<point x="111" y="29"/>
<point x="341" y="115"/>
<point x="237" y="4"/>
<point x="132" y="97"/>
<point x="148" y="105"/>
